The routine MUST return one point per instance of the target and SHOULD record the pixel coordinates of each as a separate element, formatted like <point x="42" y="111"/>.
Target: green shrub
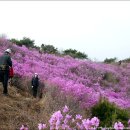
<point x="109" y="113"/>
<point x="127" y="60"/>
<point x="110" y="77"/>
<point x="110" y="60"/>
<point x="75" y="54"/>
<point x="25" y="41"/>
<point x="49" y="49"/>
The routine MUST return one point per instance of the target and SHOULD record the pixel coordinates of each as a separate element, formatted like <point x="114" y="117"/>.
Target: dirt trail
<point x="18" y="108"/>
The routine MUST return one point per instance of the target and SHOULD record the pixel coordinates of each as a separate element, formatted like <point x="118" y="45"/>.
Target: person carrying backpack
<point x="35" y="84"/>
<point x="5" y="64"/>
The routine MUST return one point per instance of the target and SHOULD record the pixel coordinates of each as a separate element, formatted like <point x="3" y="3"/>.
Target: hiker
<point x="120" y="62"/>
<point x="35" y="84"/>
<point x="5" y="64"/>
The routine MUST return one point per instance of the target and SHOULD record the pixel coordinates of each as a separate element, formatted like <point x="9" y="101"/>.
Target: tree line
<point x="49" y="48"/>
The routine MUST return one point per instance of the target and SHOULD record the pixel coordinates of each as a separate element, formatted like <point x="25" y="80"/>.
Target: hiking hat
<point x="36" y="73"/>
<point x="8" y="50"/>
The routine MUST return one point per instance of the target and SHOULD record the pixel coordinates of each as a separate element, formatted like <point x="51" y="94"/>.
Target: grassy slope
<point x="18" y="108"/>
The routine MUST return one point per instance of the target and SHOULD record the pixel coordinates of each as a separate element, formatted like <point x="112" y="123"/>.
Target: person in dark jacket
<point x="5" y="64"/>
<point x="120" y="62"/>
<point x="35" y="84"/>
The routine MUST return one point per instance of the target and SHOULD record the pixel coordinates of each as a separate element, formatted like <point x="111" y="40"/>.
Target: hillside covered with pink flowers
<point x="85" y="80"/>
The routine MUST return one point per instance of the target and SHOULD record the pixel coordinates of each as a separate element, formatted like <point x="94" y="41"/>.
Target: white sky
<point x="100" y="29"/>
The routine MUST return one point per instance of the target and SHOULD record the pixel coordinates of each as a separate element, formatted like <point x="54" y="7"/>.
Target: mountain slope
<point x="85" y="80"/>
<point x="19" y="108"/>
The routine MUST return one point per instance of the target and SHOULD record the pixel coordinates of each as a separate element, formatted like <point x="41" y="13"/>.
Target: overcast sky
<point x="100" y="29"/>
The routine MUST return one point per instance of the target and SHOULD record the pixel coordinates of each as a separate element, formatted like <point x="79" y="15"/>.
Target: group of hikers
<point x="6" y="73"/>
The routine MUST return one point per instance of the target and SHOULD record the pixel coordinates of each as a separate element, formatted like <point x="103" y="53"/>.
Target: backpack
<point x="3" y="67"/>
<point x="11" y="72"/>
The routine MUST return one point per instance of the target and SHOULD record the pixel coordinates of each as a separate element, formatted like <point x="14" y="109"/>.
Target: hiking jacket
<point x="5" y="62"/>
<point x="35" y="81"/>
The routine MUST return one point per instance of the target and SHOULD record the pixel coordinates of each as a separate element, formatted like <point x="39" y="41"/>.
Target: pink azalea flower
<point x="95" y="121"/>
<point x="118" y="126"/>
<point x="79" y="117"/>
<point x="24" y="127"/>
<point x="129" y="122"/>
<point x="86" y="123"/>
<point x="42" y="126"/>
<point x="65" y="109"/>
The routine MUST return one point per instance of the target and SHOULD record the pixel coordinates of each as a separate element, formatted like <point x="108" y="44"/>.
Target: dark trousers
<point x="4" y="76"/>
<point x="34" y="90"/>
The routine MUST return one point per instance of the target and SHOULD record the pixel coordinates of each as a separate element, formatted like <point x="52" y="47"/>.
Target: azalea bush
<point x="62" y="120"/>
<point x="109" y="113"/>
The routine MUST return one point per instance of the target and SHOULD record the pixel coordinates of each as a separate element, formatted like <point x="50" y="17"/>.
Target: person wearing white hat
<point x="36" y="74"/>
<point x="35" y="84"/>
<point x="8" y="51"/>
<point x="5" y="64"/>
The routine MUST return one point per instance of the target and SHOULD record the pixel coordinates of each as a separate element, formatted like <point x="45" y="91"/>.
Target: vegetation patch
<point x="109" y="113"/>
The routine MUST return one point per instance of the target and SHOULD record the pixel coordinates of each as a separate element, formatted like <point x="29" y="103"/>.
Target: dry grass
<point x="21" y="108"/>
